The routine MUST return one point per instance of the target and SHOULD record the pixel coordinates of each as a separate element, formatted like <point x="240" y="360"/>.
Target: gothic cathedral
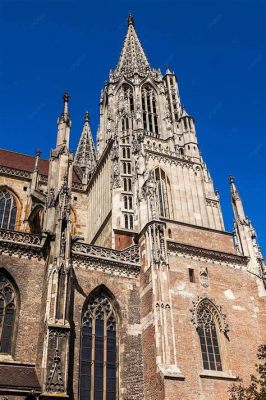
<point x="118" y="280"/>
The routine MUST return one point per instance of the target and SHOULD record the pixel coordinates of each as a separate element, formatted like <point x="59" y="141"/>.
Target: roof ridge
<point x="22" y="154"/>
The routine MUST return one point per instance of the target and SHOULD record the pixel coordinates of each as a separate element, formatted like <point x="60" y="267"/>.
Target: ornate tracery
<point x="98" y="350"/>
<point x="207" y="317"/>
<point x="8" y="210"/>
<point x="7" y="313"/>
<point x="163" y="193"/>
<point x="149" y="110"/>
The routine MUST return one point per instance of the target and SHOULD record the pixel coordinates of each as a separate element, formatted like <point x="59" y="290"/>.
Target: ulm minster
<point x="117" y="277"/>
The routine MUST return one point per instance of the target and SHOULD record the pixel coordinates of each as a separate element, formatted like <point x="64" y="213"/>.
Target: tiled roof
<point x="25" y="162"/>
<point x="18" y="377"/>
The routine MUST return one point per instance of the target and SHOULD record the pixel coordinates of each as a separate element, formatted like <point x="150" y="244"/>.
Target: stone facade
<point x="134" y="223"/>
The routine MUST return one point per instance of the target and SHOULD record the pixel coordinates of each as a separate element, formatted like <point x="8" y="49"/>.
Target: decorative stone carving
<point x="210" y="256"/>
<point x="206" y="302"/>
<point x="129" y="255"/>
<point x="116" y="179"/>
<point x="149" y="192"/>
<point x="203" y="273"/>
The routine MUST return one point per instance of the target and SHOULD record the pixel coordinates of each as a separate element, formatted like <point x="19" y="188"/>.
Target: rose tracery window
<point x="98" y="375"/>
<point x="149" y="110"/>
<point x="8" y="210"/>
<point x="208" y="339"/>
<point x="7" y="313"/>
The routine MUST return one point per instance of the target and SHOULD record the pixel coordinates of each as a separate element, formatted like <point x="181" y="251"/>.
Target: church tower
<point x="118" y="280"/>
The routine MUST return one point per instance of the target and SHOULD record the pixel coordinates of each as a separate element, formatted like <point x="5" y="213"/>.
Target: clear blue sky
<point x="216" y="48"/>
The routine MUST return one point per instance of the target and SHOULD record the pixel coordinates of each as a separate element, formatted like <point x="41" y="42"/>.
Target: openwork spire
<point x="85" y="154"/>
<point x="132" y="58"/>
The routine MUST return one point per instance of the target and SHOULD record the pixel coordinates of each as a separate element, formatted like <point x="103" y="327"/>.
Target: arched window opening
<point x="126" y="221"/>
<point x="8" y="210"/>
<point x="125" y="184"/>
<point x="128" y="97"/>
<point x="125" y="124"/>
<point x="7" y="313"/>
<point x="129" y="185"/>
<point x="125" y="202"/>
<point x="149" y="109"/>
<point x="208" y="339"/>
<point x="126" y="152"/>
<point x="163" y="193"/>
<point x="98" y="375"/>
<point x="131" y="221"/>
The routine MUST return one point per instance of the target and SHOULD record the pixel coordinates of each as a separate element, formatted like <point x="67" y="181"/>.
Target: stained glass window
<point x="208" y="340"/>
<point x="8" y="210"/>
<point x="7" y="313"/>
<point x="98" y="374"/>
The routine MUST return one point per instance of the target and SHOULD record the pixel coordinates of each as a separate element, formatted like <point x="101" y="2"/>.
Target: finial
<point x="36" y="166"/>
<point x="87" y="116"/>
<point x="130" y="20"/>
<point x="38" y="152"/>
<point x="66" y="99"/>
<point x="231" y="179"/>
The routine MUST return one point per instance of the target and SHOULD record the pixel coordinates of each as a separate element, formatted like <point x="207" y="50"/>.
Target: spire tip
<point x="130" y="20"/>
<point x="66" y="97"/>
<point x="38" y="152"/>
<point x="86" y="116"/>
<point x="231" y="179"/>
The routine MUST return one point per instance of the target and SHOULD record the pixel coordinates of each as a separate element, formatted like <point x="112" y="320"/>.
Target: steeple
<point x="85" y="155"/>
<point x="236" y="201"/>
<point x="132" y="58"/>
<point x="245" y="234"/>
<point x="64" y="124"/>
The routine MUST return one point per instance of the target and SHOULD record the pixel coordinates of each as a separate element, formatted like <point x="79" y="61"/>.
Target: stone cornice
<point x="206" y="254"/>
<point x="172" y="158"/>
<point x="125" y="262"/>
<point x="15" y="172"/>
<point x="21" y="244"/>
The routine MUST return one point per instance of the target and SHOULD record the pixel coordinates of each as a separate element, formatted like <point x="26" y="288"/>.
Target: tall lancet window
<point x="8" y="302"/>
<point x="207" y="325"/>
<point x="98" y="374"/>
<point x="163" y="193"/>
<point x="149" y="109"/>
<point x="8" y="210"/>
<point x="126" y="106"/>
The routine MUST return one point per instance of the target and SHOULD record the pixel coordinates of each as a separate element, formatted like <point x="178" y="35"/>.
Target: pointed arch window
<point x="209" y="341"/>
<point x="163" y="193"/>
<point x="99" y="360"/>
<point x="149" y="109"/>
<point x="8" y="210"/>
<point x="208" y="318"/>
<point x="7" y="313"/>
